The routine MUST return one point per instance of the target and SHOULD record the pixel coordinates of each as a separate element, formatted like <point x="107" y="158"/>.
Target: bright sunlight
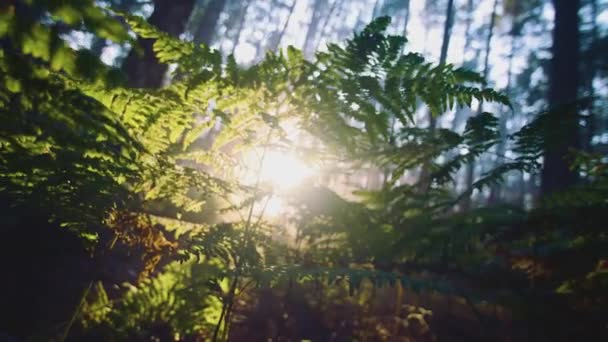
<point x="284" y="170"/>
<point x="281" y="170"/>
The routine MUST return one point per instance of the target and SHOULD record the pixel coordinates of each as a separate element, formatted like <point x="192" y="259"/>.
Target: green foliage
<point x="369" y="83"/>
<point x="126" y="146"/>
<point x="77" y="147"/>
<point x="33" y="28"/>
<point x="180" y="297"/>
<point x="59" y="146"/>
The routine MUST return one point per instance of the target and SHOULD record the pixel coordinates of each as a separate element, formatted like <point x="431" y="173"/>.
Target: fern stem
<point x="76" y="312"/>
<point x="219" y="321"/>
<point x="228" y="304"/>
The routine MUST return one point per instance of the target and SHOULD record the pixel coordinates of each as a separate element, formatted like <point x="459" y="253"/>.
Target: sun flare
<point x="280" y="170"/>
<point x="283" y="170"/>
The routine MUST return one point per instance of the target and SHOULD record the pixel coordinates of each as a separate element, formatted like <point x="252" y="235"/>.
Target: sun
<point x="278" y="171"/>
<point x="283" y="170"/>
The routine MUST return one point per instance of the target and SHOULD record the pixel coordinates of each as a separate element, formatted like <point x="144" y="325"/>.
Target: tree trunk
<point x="502" y="144"/>
<point x="425" y="172"/>
<point x="564" y="81"/>
<point x="447" y="32"/>
<point x="461" y="113"/>
<point x="336" y="3"/>
<point x="445" y="44"/>
<point x="277" y="43"/>
<point x="313" y="27"/>
<point x="470" y="172"/>
<point x="590" y="73"/>
<point x="206" y="28"/>
<point x="377" y="8"/>
<point x="486" y="61"/>
<point x="241" y="25"/>
<point x="406" y="20"/>
<point x="142" y="67"/>
<point x="467" y="30"/>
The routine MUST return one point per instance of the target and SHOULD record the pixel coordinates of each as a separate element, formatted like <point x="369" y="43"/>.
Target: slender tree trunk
<point x="313" y="27"/>
<point x="470" y="171"/>
<point x="387" y="173"/>
<point x="523" y="189"/>
<point x="334" y="5"/>
<point x="406" y="20"/>
<point x="589" y="77"/>
<point x="285" y="25"/>
<point x="206" y="28"/>
<point x="564" y="81"/>
<point x="141" y="66"/>
<point x="502" y="144"/>
<point x="237" y="39"/>
<point x="445" y="44"/>
<point x="486" y="61"/>
<point x="460" y="114"/>
<point x="361" y="21"/>
<point x="467" y="30"/>
<point x="377" y="8"/>
<point x="447" y="31"/>
<point x="425" y="173"/>
<point x="267" y="42"/>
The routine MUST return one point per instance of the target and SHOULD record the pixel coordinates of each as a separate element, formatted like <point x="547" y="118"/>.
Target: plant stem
<point x="76" y="312"/>
<point x="227" y="305"/>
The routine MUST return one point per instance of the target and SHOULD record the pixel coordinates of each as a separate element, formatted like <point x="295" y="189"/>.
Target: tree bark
<point x="277" y="43"/>
<point x="486" y="61"/>
<point x="590" y="73"/>
<point x="237" y="39"/>
<point x="425" y="173"/>
<point x="377" y="8"/>
<point x="563" y="130"/>
<point x="142" y="67"/>
<point x="495" y="192"/>
<point x="336" y="3"/>
<point x="461" y="114"/>
<point x="406" y="20"/>
<point x="445" y="44"/>
<point x="470" y="171"/>
<point x="447" y="32"/>
<point x="313" y="27"/>
<point x="206" y="28"/>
